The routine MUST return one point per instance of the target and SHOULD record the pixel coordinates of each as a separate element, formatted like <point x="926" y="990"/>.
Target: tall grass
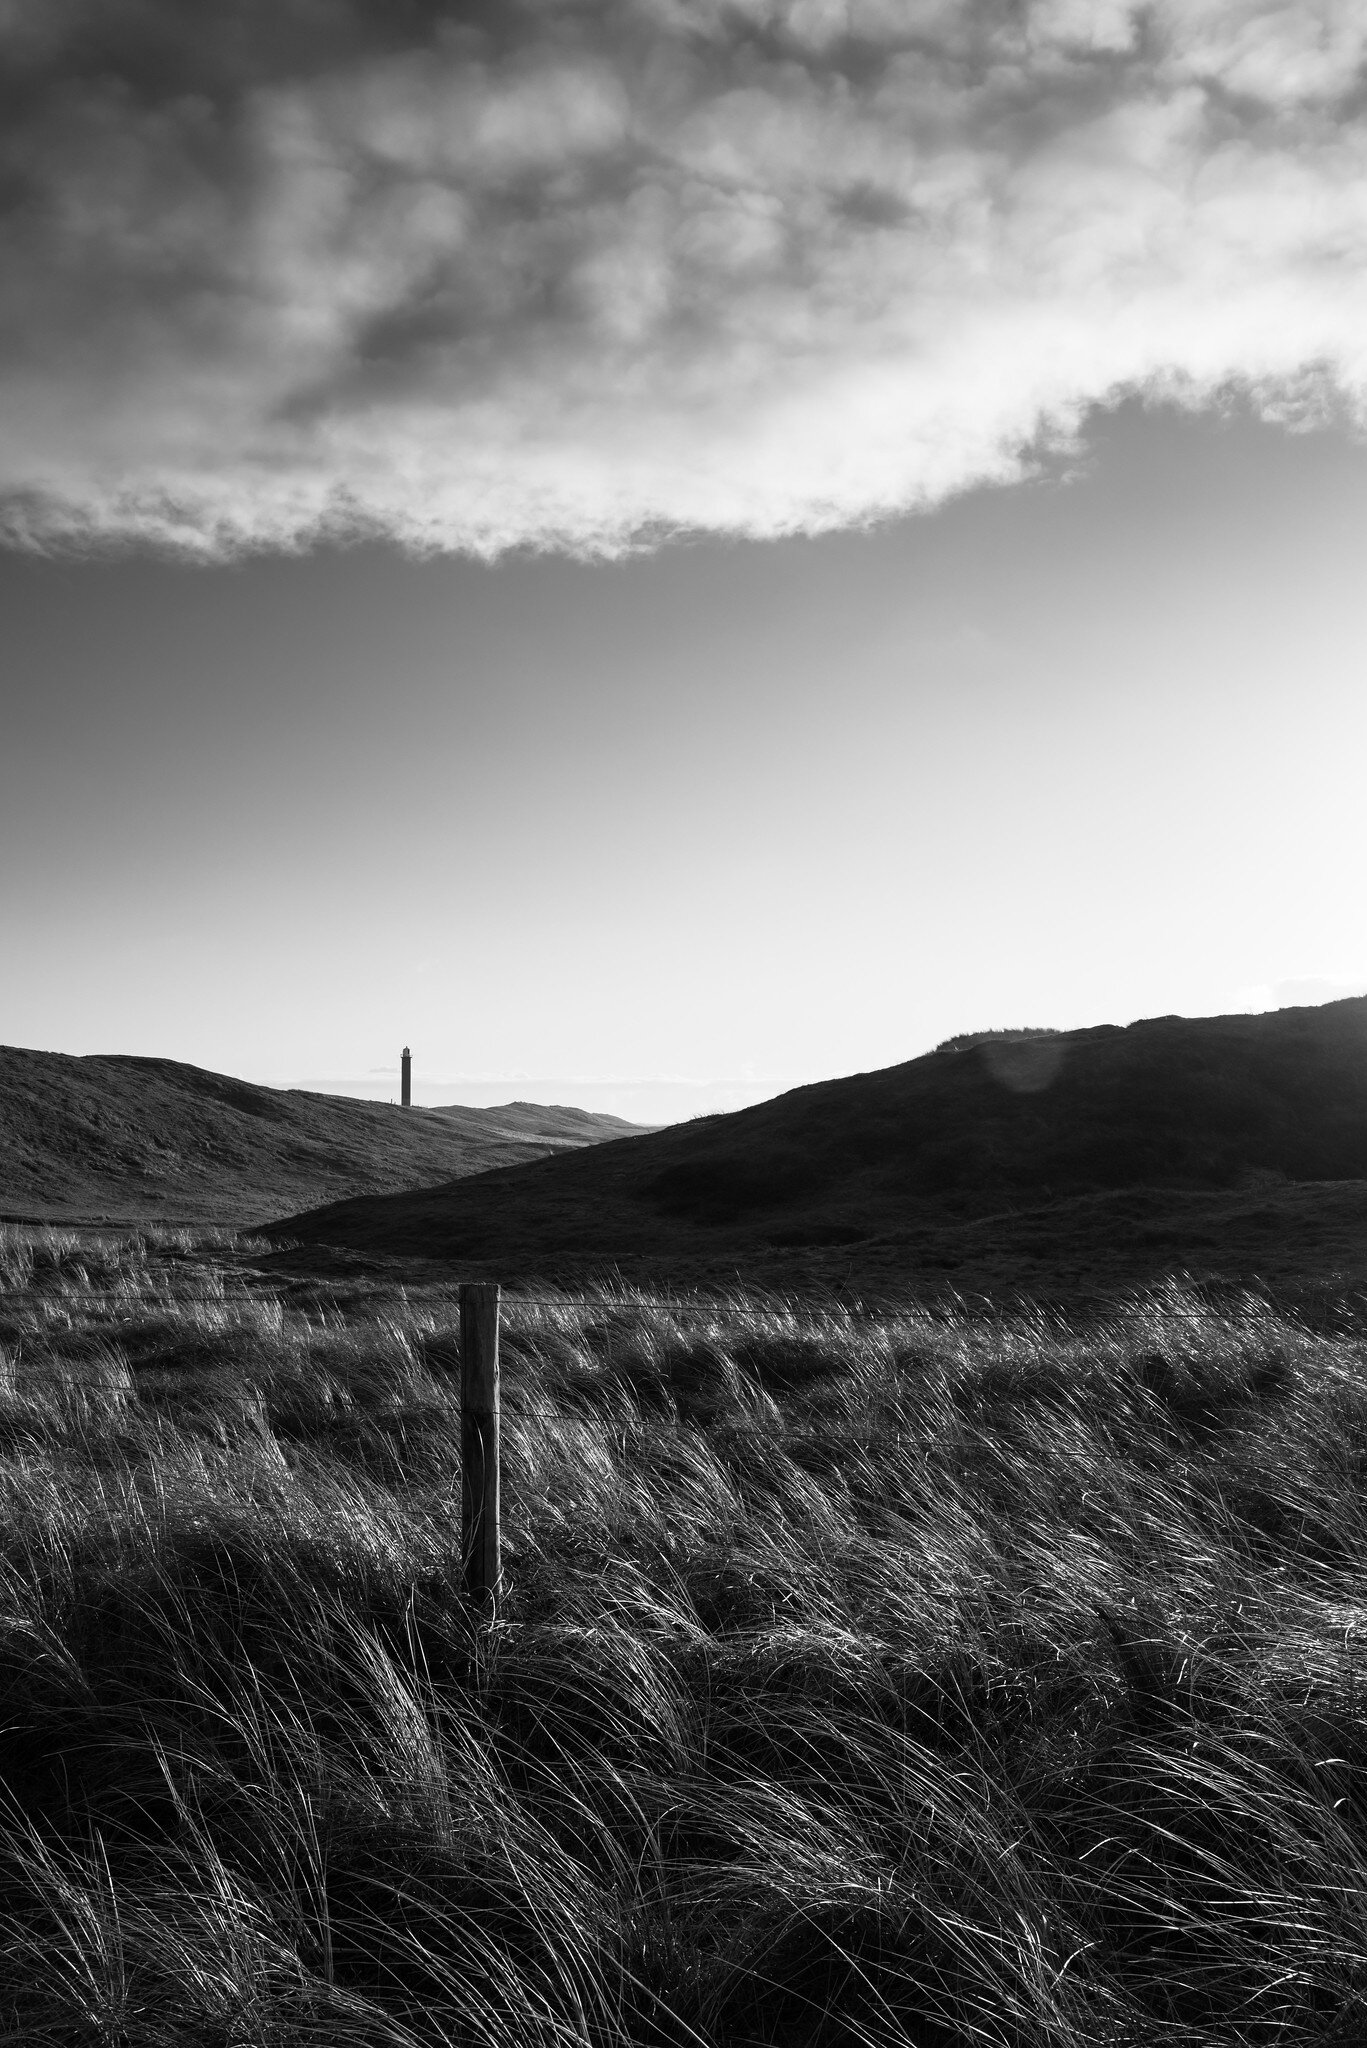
<point x="915" y="1677"/>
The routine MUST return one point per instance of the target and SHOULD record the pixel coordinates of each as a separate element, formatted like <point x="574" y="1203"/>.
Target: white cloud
<point x="1306" y="990"/>
<point x="758" y="267"/>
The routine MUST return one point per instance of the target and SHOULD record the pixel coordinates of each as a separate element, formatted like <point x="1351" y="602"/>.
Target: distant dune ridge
<point x="1230" y="1144"/>
<point x="125" y="1139"/>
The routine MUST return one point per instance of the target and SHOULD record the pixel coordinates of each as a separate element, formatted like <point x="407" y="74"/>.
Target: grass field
<point x="920" y="1677"/>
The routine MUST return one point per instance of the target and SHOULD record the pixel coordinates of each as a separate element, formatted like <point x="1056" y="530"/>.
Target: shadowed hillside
<point x="129" y="1139"/>
<point x="1108" y="1154"/>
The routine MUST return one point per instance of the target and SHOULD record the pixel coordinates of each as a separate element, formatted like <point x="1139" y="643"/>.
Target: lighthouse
<point x="406" y="1078"/>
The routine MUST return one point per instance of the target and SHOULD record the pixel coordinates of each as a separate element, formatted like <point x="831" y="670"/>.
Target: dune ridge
<point x="1227" y="1145"/>
<point x="119" y="1138"/>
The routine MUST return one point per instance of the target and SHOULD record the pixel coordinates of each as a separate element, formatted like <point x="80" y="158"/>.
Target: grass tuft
<point x="887" y="1680"/>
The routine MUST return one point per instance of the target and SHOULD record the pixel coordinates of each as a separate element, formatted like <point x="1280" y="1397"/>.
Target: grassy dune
<point x="919" y="1677"/>
<point x="1061" y="1166"/>
<point x="129" y="1141"/>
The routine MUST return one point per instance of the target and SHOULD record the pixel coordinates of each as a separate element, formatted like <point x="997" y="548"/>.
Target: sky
<point x="657" y="552"/>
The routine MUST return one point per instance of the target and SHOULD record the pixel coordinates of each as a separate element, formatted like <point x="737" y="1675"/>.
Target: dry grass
<point x="911" y="1678"/>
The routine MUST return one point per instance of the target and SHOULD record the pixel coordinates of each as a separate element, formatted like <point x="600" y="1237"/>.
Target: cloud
<point x="1315" y="988"/>
<point x="1300" y="991"/>
<point x="576" y="273"/>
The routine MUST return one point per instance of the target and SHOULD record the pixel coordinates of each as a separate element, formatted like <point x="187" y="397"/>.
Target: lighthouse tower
<point x="406" y="1078"/>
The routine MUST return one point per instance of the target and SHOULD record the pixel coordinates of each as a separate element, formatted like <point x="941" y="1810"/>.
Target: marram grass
<point x="915" y="1677"/>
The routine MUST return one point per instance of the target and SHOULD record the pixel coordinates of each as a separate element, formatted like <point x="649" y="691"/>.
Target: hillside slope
<point x="121" y="1138"/>
<point x="999" y="1151"/>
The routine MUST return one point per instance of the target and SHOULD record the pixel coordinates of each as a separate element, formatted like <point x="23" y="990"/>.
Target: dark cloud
<point x="566" y="274"/>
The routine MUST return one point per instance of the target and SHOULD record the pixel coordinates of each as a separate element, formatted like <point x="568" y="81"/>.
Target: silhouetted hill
<point x="122" y="1138"/>
<point x="1003" y="1162"/>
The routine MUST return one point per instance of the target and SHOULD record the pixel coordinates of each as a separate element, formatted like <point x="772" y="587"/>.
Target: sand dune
<point x="127" y="1139"/>
<point x="1233" y="1146"/>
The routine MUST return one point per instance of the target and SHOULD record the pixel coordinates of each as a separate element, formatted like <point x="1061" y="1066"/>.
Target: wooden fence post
<point x="479" y="1506"/>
